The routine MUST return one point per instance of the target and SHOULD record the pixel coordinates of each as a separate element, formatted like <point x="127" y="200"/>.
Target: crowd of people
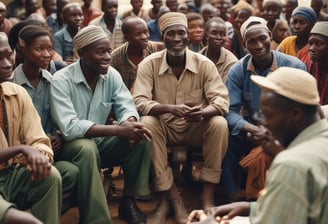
<point x="84" y="89"/>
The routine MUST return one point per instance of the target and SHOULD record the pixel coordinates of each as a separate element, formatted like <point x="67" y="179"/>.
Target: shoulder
<point x="118" y="51"/>
<point x="10" y="88"/>
<point x="96" y="21"/>
<point x="288" y="60"/>
<point x="229" y="55"/>
<point x="155" y="57"/>
<point x="155" y="46"/>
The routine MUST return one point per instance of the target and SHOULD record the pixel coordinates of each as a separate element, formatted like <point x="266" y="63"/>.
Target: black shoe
<point x="130" y="212"/>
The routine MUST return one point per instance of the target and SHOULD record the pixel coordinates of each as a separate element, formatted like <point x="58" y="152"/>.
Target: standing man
<point x="126" y="58"/>
<point x="182" y="100"/>
<point x="110" y="23"/>
<point x="86" y="92"/>
<point x="244" y="111"/>
<point x="296" y="187"/>
<point x="28" y="181"/>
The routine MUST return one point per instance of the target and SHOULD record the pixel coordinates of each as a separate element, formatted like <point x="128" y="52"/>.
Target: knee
<point x="54" y="177"/>
<point x="68" y="171"/>
<point x="219" y="122"/>
<point x="84" y="148"/>
<point x="149" y="121"/>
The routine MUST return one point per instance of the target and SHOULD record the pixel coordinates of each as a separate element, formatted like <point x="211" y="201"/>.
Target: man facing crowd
<point x="182" y="100"/>
<point x="296" y="187"/>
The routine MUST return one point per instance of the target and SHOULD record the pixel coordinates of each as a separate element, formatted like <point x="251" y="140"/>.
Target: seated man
<point x="244" y="111"/>
<point x="27" y="179"/>
<point x="296" y="187"/>
<point x="82" y="96"/>
<point x="183" y="100"/>
<point x="125" y="59"/>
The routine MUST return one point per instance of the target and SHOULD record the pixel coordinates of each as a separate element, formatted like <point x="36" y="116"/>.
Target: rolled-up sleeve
<point x="63" y="111"/>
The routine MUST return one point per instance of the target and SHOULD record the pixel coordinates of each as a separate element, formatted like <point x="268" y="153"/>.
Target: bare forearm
<point x="210" y="111"/>
<point x="161" y="109"/>
<point x="10" y="152"/>
<point x="102" y="131"/>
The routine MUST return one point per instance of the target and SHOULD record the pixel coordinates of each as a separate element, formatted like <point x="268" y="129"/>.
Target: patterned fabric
<point x="125" y="67"/>
<point x="297" y="184"/>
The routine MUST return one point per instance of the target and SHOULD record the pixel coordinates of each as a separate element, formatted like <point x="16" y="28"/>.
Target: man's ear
<point x="81" y="53"/>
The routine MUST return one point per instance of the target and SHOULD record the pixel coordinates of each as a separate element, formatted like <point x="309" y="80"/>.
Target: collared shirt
<point x="116" y="37"/>
<point x="52" y="22"/>
<point x="199" y="83"/>
<point x="224" y="62"/>
<point x="74" y="106"/>
<point x="244" y="95"/>
<point x="297" y="184"/>
<point x="40" y="96"/>
<point x="63" y="44"/>
<point x="127" y="68"/>
<point x="23" y="122"/>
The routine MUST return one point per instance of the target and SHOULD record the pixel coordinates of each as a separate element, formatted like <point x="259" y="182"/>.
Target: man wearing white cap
<point x="296" y="187"/>
<point x="244" y="110"/>
<point x="182" y="100"/>
<point x="82" y="96"/>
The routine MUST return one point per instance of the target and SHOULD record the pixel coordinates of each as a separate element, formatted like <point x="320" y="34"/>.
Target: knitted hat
<point x="292" y="83"/>
<point x="320" y="28"/>
<point x="306" y="12"/>
<point x="172" y="18"/>
<point x="88" y="35"/>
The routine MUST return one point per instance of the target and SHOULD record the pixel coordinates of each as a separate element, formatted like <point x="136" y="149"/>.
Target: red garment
<point x="322" y="80"/>
<point x="89" y="14"/>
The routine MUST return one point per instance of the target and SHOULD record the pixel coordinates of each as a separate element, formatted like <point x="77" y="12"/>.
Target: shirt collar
<point x="78" y="75"/>
<point x="20" y="77"/>
<point x="190" y="63"/>
<point x="251" y="67"/>
<point x="67" y="36"/>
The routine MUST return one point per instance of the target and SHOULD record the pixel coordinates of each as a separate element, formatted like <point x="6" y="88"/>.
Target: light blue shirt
<point x="39" y="96"/>
<point x="76" y="108"/>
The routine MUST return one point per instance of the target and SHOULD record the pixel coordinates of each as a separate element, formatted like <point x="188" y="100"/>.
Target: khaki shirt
<point x="199" y="82"/>
<point x="23" y="121"/>
<point x="225" y="61"/>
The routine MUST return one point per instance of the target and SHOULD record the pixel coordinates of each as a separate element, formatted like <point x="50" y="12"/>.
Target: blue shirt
<point x="154" y="32"/>
<point x="39" y="95"/>
<point x="63" y="44"/>
<point x="76" y="108"/>
<point x="244" y="95"/>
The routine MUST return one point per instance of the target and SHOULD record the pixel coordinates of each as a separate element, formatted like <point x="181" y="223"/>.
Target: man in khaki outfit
<point x="182" y="100"/>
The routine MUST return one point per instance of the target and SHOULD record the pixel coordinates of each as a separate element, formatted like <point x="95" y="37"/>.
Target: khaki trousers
<point x="210" y="134"/>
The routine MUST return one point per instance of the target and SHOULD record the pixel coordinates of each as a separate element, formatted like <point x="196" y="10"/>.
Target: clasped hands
<point x="191" y="114"/>
<point x="135" y="131"/>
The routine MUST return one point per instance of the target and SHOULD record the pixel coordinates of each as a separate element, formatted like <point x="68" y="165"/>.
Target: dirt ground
<point x="190" y="191"/>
